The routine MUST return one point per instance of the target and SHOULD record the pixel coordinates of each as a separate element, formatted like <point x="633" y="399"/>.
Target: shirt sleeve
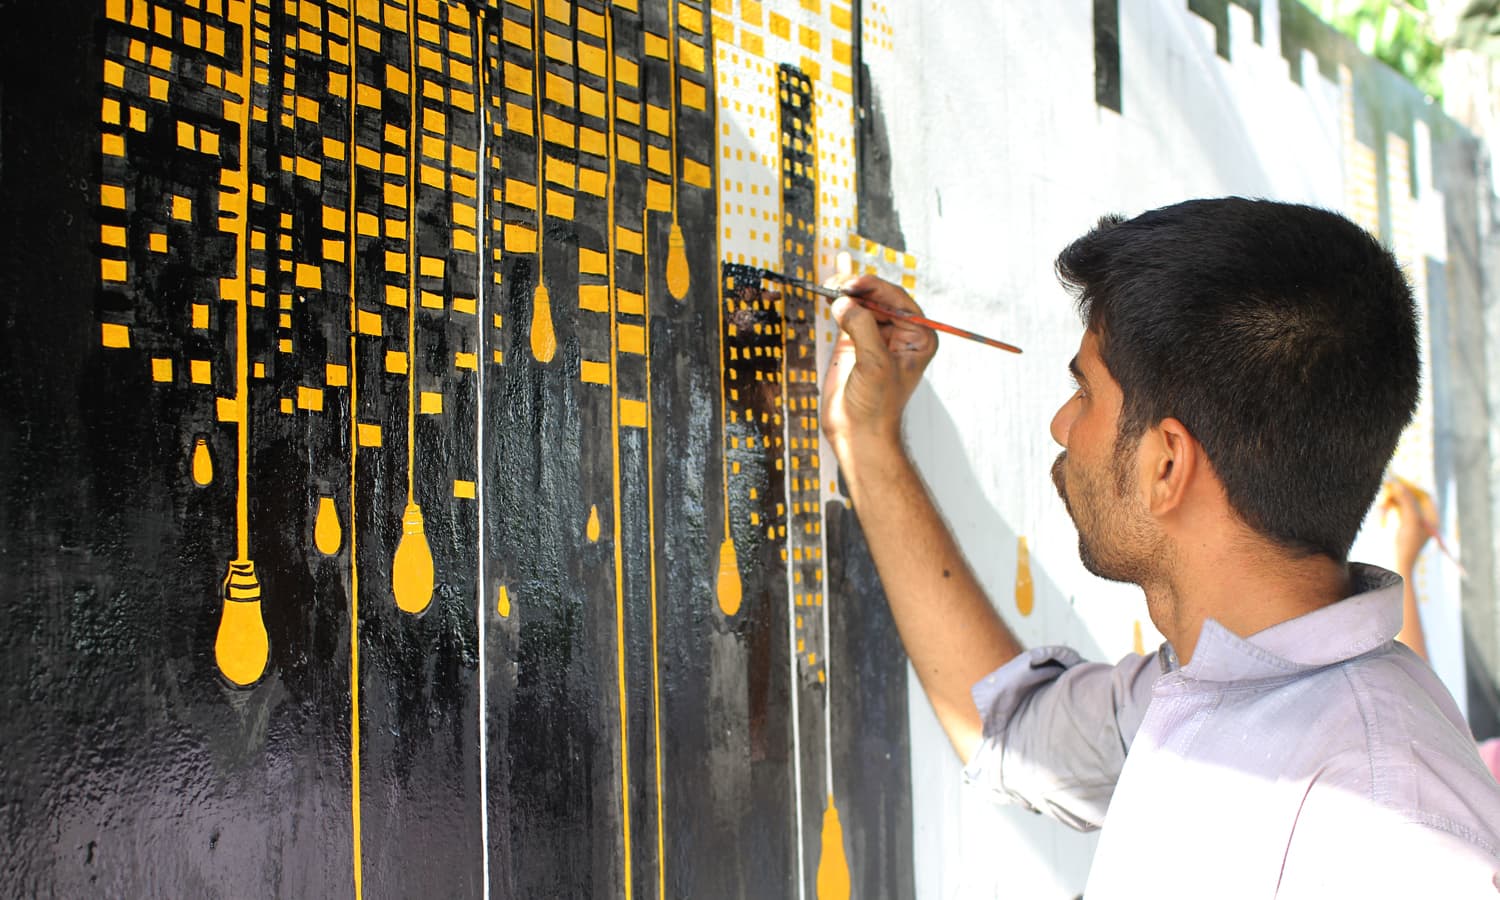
<point x="1056" y="730"/>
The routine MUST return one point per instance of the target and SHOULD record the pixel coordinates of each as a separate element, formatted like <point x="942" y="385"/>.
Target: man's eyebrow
<point x="1077" y="371"/>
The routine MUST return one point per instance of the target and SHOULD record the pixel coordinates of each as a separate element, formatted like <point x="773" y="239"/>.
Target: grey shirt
<point x="1317" y="758"/>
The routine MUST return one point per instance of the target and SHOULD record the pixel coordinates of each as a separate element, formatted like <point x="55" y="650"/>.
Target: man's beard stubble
<point x="1115" y="541"/>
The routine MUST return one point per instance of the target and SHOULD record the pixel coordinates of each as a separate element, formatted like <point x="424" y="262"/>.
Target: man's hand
<point x="876" y="366"/>
<point x="951" y="633"/>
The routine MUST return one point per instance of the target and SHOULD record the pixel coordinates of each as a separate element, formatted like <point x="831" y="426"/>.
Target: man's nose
<point x="1062" y="423"/>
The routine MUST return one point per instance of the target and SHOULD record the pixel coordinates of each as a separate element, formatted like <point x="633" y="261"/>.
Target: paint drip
<point x="678" y="276"/>
<point x="242" y="647"/>
<point x="591" y="530"/>
<point x="543" y="338"/>
<point x="411" y="571"/>
<point x="502" y="603"/>
<point x="203" y="463"/>
<point x="730" y="589"/>
<point x="833" y="865"/>
<point x="328" y="534"/>
<point x="1025" y="593"/>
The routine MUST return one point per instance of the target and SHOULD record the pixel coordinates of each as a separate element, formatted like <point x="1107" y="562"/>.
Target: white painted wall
<point x="1000" y="157"/>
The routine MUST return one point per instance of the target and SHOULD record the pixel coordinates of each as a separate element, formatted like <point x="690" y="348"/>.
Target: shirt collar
<point x="1367" y="619"/>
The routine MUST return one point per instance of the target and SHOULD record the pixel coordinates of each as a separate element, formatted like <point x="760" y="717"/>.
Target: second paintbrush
<point x="890" y="312"/>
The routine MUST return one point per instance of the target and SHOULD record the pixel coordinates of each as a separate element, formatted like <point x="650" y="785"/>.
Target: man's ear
<point x="1171" y="460"/>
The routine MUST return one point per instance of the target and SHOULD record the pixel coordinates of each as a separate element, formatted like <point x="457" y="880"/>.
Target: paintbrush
<point x="889" y="312"/>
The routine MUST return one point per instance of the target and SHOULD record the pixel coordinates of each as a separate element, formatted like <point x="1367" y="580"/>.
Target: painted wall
<point x="1000" y="156"/>
<point x="411" y="486"/>
<point x="412" y="480"/>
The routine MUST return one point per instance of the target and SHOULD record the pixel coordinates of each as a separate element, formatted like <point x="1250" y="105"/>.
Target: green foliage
<point x="1396" y="33"/>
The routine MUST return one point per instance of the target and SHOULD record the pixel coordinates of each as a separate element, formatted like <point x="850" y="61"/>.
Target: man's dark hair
<point x="1283" y="337"/>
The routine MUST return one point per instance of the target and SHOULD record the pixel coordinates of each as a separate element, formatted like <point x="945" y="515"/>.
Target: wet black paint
<point x="135" y="769"/>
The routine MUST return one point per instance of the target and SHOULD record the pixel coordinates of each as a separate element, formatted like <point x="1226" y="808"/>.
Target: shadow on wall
<point x="972" y="862"/>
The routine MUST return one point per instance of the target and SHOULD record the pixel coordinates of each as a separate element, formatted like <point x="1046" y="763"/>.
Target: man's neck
<point x="1246" y="589"/>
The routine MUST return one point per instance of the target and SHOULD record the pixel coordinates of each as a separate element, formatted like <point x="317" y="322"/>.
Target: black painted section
<point x="876" y="215"/>
<point x="1217" y="13"/>
<point x="1107" y="87"/>
<point x="871" y="742"/>
<point x="134" y="768"/>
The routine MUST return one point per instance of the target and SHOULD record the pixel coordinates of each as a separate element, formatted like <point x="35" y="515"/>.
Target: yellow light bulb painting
<point x="833" y="864"/>
<point x="1025" y="593"/>
<point x="411" y="571"/>
<point x="678" y="277"/>
<point x="328" y="534"/>
<point x="730" y="588"/>
<point x="242" y="648"/>
<point x="543" y="338"/>
<point x="203" y="463"/>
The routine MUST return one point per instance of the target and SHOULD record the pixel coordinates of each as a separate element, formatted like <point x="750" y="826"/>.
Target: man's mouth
<point x="1060" y="480"/>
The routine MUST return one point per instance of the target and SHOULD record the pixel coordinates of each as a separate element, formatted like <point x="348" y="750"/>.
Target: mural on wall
<point x="491" y="548"/>
<point x="413" y="474"/>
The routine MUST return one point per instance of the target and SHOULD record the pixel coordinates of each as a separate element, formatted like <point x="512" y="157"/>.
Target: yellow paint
<point x="502" y="603"/>
<point x="678" y="277"/>
<point x="833" y="865"/>
<point x="328" y="534"/>
<point x="366" y="225"/>
<point x="730" y="589"/>
<point x="117" y="336"/>
<point x="1138" y="642"/>
<point x="463" y="489"/>
<point x="617" y="415"/>
<point x="242" y="648"/>
<point x="590" y="372"/>
<point x="203" y="462"/>
<point x="591" y="530"/>
<point x="411" y="570"/>
<point x="543" y="339"/>
<point x="1025" y="594"/>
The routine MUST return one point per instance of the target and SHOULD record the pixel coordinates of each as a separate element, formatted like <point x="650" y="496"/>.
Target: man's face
<point x="1117" y="538"/>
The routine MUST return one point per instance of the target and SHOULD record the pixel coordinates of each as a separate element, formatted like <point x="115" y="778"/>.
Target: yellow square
<point x="431" y="403"/>
<point x="182" y="208"/>
<point x="161" y="369"/>
<point x="463" y="490"/>
<point x="200" y="371"/>
<point x="368" y="435"/>
<point x="336" y="375"/>
<point x="115" y="335"/>
<point x="395" y="362"/>
<point x="157" y="242"/>
<point x="200" y="315"/>
<point x="310" y="398"/>
<point x="286" y="405"/>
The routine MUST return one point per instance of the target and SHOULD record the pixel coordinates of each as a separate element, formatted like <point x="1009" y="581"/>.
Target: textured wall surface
<point x="411" y="473"/>
<point x="412" y="486"/>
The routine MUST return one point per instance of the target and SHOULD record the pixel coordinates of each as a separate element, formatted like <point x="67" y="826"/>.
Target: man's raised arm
<point x="952" y="634"/>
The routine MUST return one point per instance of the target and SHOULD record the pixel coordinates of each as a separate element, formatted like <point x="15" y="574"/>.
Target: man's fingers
<point x="862" y="329"/>
<point x="870" y="287"/>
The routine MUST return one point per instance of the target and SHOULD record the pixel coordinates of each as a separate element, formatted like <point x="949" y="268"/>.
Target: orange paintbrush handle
<point x="881" y="308"/>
